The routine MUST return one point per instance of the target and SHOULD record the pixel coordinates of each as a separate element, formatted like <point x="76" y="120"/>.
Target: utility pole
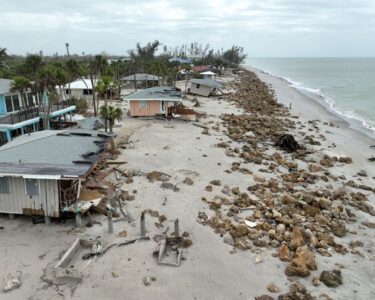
<point x="70" y="78"/>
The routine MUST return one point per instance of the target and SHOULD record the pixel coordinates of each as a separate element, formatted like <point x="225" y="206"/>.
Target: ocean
<point x="346" y="85"/>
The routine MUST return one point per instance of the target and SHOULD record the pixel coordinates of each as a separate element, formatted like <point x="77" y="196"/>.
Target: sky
<point x="265" y="28"/>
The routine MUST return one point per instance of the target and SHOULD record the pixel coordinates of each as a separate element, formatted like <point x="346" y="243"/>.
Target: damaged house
<point x="204" y="87"/>
<point x="41" y="173"/>
<point x="153" y="101"/>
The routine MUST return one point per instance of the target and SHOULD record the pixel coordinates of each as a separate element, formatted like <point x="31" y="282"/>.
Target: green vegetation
<point x="44" y="73"/>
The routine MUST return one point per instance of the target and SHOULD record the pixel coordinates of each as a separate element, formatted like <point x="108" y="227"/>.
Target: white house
<point x="208" y="75"/>
<point x="79" y="89"/>
<point x="204" y="87"/>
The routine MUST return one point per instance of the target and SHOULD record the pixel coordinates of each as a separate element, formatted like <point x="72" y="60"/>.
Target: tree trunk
<point x="111" y="125"/>
<point x="93" y="95"/>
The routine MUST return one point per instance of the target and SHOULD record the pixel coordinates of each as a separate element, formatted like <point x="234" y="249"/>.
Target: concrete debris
<point x="11" y="284"/>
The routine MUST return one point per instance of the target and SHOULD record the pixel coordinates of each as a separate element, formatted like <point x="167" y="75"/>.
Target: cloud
<point x="220" y="22"/>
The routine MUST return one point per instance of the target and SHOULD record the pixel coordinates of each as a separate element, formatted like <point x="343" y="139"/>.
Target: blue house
<point x="17" y="117"/>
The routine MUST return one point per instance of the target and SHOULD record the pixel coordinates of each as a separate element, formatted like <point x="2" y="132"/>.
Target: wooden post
<point x="143" y="225"/>
<point x="110" y="222"/>
<point x="176" y="228"/>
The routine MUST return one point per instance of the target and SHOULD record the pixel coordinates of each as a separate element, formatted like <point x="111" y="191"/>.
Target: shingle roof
<point x="50" y="153"/>
<point x="5" y="85"/>
<point x="208" y="82"/>
<point x="141" y="77"/>
<point x="163" y="93"/>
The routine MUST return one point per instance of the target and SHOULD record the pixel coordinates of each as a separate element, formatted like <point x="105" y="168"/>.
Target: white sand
<point x="210" y="271"/>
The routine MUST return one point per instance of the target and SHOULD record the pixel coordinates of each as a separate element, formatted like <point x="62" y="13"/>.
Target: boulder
<point x="331" y="278"/>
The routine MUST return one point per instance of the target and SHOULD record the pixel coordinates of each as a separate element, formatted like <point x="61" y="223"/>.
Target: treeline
<point x="42" y="74"/>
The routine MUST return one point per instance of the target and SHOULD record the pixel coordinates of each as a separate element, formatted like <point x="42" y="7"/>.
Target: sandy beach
<point x="219" y="264"/>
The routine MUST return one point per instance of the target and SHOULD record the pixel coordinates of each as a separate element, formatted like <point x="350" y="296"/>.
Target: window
<point x="142" y="104"/>
<point x="30" y="99"/>
<point x="12" y="103"/>
<point x="9" y="104"/>
<point x="16" y="102"/>
<point x="32" y="187"/>
<point x="87" y="92"/>
<point x="4" y="185"/>
<point x="198" y="86"/>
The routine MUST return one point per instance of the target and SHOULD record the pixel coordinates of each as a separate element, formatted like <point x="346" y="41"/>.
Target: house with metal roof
<point x="140" y="80"/>
<point x="41" y="173"/>
<point x="204" y="87"/>
<point x="153" y="101"/>
<point x="78" y="89"/>
<point x="18" y="117"/>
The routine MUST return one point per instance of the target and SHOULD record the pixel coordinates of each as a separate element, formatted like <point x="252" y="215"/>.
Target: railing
<point x="20" y="116"/>
<point x="30" y="112"/>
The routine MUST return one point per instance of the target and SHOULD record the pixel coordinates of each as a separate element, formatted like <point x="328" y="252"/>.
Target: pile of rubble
<point x="286" y="212"/>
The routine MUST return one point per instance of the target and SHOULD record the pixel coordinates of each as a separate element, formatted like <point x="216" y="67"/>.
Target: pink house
<point x="153" y="101"/>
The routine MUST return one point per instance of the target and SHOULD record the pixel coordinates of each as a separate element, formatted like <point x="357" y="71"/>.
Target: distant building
<point x="204" y="68"/>
<point x="17" y="118"/>
<point x="180" y="60"/>
<point x="140" y="80"/>
<point x="41" y="173"/>
<point x="204" y="87"/>
<point x="153" y="101"/>
<point x="208" y="75"/>
<point x="79" y="89"/>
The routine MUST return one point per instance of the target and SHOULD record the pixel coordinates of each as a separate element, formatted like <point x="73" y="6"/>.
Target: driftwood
<point x="288" y="143"/>
<point x="201" y="126"/>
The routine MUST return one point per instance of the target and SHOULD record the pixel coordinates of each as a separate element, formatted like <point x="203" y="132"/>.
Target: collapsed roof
<point x="51" y="153"/>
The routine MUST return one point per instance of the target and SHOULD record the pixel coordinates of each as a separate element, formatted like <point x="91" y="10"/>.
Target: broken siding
<point x="18" y="202"/>
<point x="147" y="108"/>
<point x="202" y="90"/>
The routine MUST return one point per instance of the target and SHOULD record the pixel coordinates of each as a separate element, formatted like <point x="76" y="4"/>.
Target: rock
<point x="157" y="176"/>
<point x="188" y="181"/>
<point x="208" y="188"/>
<point x="346" y="160"/>
<point x="264" y="297"/>
<point x="122" y="234"/>
<point x="284" y="253"/>
<point x="338" y="228"/>
<point x="162" y="218"/>
<point x="297" y="291"/>
<point x="147" y="280"/>
<point x="236" y="190"/>
<point x="315" y="281"/>
<point x="11" y="284"/>
<point x="240" y="231"/>
<point x="331" y="278"/>
<point x="298" y="238"/>
<point x="216" y="182"/>
<point x="273" y="288"/>
<point x="362" y="173"/>
<point x="186" y="243"/>
<point x="300" y="265"/>
<point x="315" y="168"/>
<point x="258" y="259"/>
<point x="228" y="239"/>
<point x="115" y="274"/>
<point x="167" y="185"/>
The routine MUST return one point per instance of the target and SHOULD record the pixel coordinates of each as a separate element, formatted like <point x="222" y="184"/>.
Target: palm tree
<point x="21" y="84"/>
<point x="114" y="114"/>
<point x="102" y="87"/>
<point x="110" y="114"/>
<point x="103" y="113"/>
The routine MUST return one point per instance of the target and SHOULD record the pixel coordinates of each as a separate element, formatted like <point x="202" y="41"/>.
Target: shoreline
<point x="352" y="123"/>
